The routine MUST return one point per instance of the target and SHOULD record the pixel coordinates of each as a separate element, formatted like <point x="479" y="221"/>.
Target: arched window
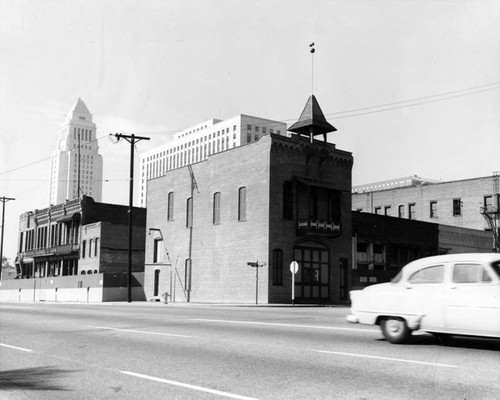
<point x="84" y="247"/>
<point x="90" y="248"/>
<point x="96" y="250"/>
<point x="242" y="204"/>
<point x="216" y="210"/>
<point x="170" y="207"/>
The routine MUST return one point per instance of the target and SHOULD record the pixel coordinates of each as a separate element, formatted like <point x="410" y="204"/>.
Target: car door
<point x="426" y="296"/>
<point x="473" y="305"/>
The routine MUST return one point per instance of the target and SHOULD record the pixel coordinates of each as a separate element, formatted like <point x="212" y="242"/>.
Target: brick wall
<point x="295" y="158"/>
<point x="471" y="192"/>
<point x="220" y="252"/>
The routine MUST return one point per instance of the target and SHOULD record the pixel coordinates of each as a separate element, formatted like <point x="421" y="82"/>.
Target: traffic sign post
<point x="294" y="267"/>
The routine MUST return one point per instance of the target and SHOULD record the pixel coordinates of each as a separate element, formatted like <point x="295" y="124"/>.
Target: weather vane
<point x="312" y="50"/>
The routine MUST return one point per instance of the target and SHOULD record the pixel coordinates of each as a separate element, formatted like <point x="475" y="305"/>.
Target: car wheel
<point x="395" y="330"/>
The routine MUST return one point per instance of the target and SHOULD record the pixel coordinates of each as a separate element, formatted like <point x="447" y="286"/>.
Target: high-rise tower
<point x="76" y="166"/>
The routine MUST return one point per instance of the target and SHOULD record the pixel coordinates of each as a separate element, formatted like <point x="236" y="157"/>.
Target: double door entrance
<point x="312" y="281"/>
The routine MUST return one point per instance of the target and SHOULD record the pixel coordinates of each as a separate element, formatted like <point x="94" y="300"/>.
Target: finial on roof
<point x="312" y="121"/>
<point x="311" y="46"/>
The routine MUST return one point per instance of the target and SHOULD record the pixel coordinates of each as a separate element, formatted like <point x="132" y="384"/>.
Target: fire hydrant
<point x="165" y="297"/>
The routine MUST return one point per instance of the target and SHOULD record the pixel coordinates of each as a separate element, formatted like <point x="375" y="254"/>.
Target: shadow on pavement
<point x="31" y="378"/>
<point x="468" y="342"/>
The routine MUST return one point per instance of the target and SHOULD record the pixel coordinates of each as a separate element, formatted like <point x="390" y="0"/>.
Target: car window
<point x="470" y="273"/>
<point x="398" y="277"/>
<point x="496" y="267"/>
<point x="432" y="274"/>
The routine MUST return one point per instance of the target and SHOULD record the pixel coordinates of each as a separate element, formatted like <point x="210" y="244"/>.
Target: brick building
<point x="382" y="245"/>
<point x="61" y="246"/>
<point x="467" y="203"/>
<point x="268" y="203"/>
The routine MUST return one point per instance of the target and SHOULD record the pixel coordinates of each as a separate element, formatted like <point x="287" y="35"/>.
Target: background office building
<point x="76" y="166"/>
<point x="197" y="143"/>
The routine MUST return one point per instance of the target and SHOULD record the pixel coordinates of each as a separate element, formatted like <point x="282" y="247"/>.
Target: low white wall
<point x="80" y="295"/>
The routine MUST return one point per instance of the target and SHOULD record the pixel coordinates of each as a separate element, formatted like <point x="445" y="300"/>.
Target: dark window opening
<point x="313" y="204"/>
<point x="457" y="207"/>
<point x="277" y="267"/>
<point x="288" y="200"/>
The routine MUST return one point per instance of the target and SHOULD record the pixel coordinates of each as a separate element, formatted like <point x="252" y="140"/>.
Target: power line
<point x="438" y="97"/>
<point x="414" y="104"/>
<point x="403" y="103"/>
<point x="44" y="159"/>
<point x="422" y="98"/>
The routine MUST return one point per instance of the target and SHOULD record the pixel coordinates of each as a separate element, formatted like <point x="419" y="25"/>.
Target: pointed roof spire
<point x="312" y="121"/>
<point x="79" y="109"/>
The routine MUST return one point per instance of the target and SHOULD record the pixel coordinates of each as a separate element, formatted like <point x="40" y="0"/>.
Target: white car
<point x="455" y="294"/>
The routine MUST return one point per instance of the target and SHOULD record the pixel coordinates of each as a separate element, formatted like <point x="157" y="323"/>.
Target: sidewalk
<point x="184" y="304"/>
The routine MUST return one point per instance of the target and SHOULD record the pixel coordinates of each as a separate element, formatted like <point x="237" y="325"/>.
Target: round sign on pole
<point x="294" y="267"/>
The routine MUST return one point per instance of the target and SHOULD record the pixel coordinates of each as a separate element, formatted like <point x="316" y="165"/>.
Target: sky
<point x="413" y="87"/>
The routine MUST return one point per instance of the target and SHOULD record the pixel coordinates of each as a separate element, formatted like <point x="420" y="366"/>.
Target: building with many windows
<point x="467" y="203"/>
<point x="76" y="166"/>
<point x="197" y="143"/>
<point x="382" y="245"/>
<point x="62" y="248"/>
<point x="225" y="229"/>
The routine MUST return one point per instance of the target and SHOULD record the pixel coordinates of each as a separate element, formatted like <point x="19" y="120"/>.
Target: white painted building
<point x="76" y="166"/>
<point x="195" y="144"/>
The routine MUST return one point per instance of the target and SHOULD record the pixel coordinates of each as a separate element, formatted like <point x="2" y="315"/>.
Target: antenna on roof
<point x="312" y="50"/>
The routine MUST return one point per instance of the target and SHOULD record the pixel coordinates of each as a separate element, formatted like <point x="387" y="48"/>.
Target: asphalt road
<point x="183" y="351"/>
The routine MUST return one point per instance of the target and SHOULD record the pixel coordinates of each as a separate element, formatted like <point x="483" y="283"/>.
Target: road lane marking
<point x="338" y="353"/>
<point x="284" y="325"/>
<point x="188" y="386"/>
<point x="16" y="348"/>
<point x="136" y="331"/>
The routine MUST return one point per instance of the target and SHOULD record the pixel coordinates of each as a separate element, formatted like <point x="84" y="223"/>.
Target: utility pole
<point x="189" y="265"/>
<point x="132" y="139"/>
<point x="3" y="200"/>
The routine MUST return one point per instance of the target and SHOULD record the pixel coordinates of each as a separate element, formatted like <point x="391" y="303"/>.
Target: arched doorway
<point x="312" y="281"/>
